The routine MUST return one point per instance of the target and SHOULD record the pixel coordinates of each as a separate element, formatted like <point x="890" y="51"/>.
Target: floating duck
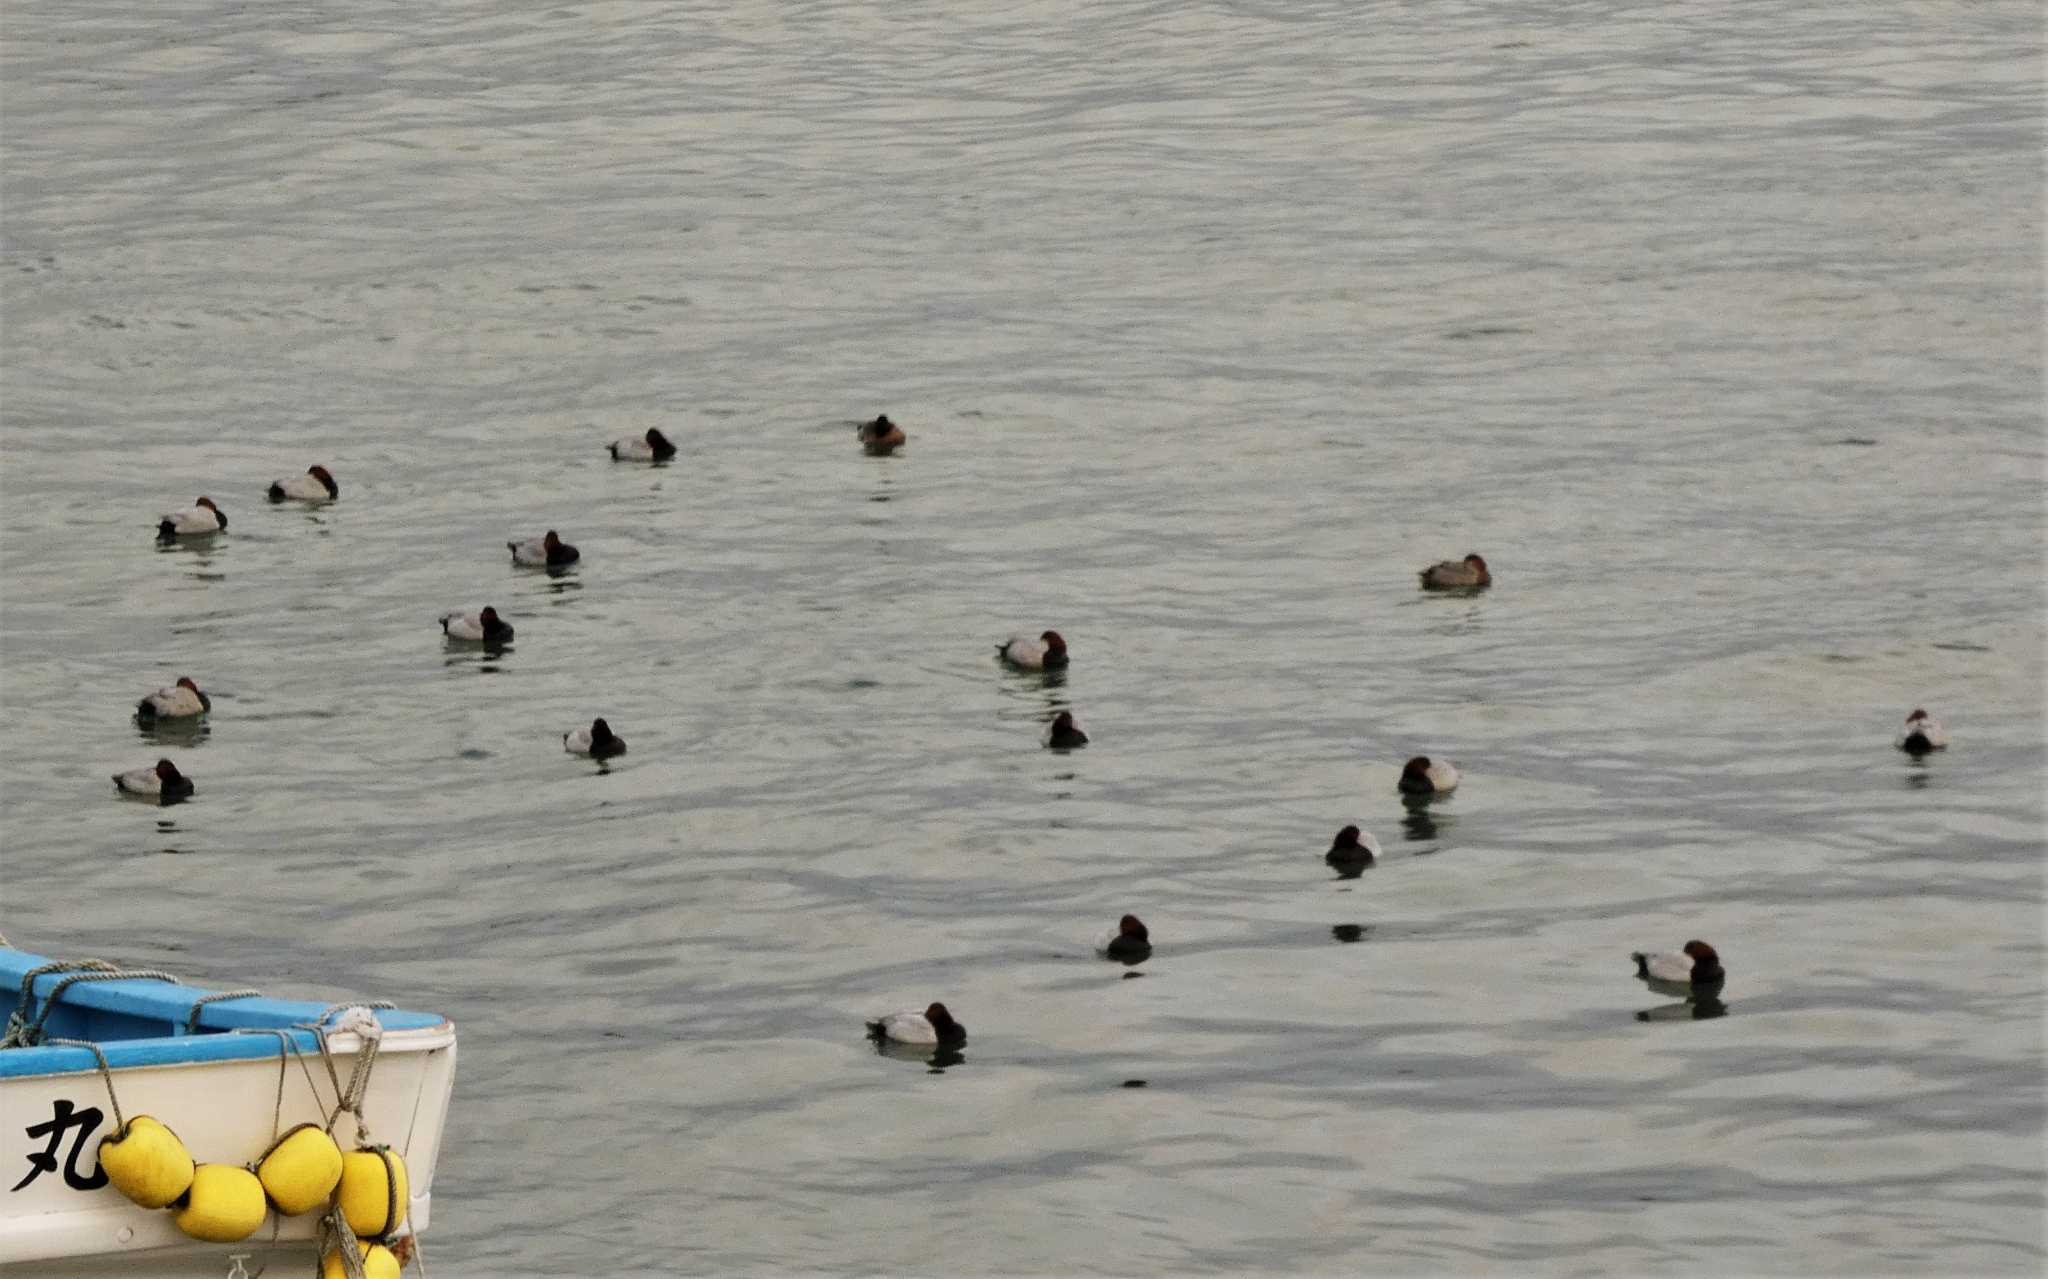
<point x="485" y="627"/>
<point x="596" y="741"/>
<point x="1696" y="969"/>
<point x="1352" y="851"/>
<point x="1457" y="575"/>
<point x="1061" y="735"/>
<point x="162" y="783"/>
<point x="881" y="435"/>
<point x="1425" y="776"/>
<point x="549" y="550"/>
<point x="181" y="700"/>
<point x="932" y="1026"/>
<point x="316" y="485"/>
<point x="197" y="520"/>
<point x="1046" y="653"/>
<point x="1132" y="943"/>
<point x="651" y="447"/>
<point x="1922" y="735"/>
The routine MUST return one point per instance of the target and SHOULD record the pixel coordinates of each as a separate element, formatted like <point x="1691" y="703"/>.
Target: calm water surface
<point x="1716" y="328"/>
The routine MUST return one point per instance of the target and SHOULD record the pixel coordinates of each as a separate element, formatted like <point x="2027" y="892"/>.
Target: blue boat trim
<point x="142" y="1022"/>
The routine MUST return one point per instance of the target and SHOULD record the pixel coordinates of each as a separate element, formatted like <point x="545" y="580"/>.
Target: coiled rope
<point x="22" y="1033"/>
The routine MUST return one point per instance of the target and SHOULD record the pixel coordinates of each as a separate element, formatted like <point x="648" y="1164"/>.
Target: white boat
<point x="228" y="1073"/>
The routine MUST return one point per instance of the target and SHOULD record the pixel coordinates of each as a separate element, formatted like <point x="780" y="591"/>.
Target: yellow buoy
<point x="379" y="1262"/>
<point x="301" y="1171"/>
<point x="225" y="1204"/>
<point x="146" y="1162"/>
<point x="372" y="1193"/>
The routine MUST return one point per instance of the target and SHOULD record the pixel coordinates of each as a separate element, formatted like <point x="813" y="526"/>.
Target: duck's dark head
<point x="1346" y="839"/>
<point x="1415" y="778"/>
<point x="1132" y="927"/>
<point x="1706" y="965"/>
<point x="941" y="1020"/>
<point x="326" y="481"/>
<point x="185" y="681"/>
<point x="167" y="771"/>
<point x="1917" y="716"/>
<point x="1053" y="642"/>
<point x="551" y="541"/>
<point x="1477" y="561"/>
<point x="599" y="730"/>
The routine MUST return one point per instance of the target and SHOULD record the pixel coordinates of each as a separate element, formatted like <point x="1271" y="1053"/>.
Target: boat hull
<point x="228" y="1078"/>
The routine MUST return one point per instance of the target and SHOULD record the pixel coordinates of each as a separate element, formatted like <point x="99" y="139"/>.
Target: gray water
<point x="1717" y="328"/>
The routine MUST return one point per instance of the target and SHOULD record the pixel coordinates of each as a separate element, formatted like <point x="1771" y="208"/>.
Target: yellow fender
<point x="224" y="1205"/>
<point x="373" y="1191"/>
<point x="301" y="1170"/>
<point x="147" y="1162"/>
<point x="379" y="1262"/>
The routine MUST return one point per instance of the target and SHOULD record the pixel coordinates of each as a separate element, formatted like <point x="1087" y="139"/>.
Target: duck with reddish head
<point x="484" y="627"/>
<point x="931" y="1027"/>
<point x="1693" y="970"/>
<point x="651" y="447"/>
<point x="1425" y="776"/>
<point x="1352" y="852"/>
<point x="201" y="519"/>
<point x="181" y="700"/>
<point x="546" y="551"/>
<point x="1468" y="574"/>
<point x="1131" y="944"/>
<point x="1922" y="735"/>
<point x="1046" y="653"/>
<point x="160" y="784"/>
<point x="1063" y="734"/>
<point x="880" y="436"/>
<point x="315" y="486"/>
<point x="596" y="742"/>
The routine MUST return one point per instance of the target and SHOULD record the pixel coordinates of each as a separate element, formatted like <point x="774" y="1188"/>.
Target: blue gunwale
<point x="142" y="1023"/>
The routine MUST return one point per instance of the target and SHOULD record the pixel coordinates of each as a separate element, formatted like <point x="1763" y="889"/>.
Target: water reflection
<point x="938" y="1058"/>
<point x="482" y="656"/>
<point x="1349" y="932"/>
<point x="187" y="730"/>
<point x="1044" y="680"/>
<point x="1421" y="824"/>
<point x="1703" y="1008"/>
